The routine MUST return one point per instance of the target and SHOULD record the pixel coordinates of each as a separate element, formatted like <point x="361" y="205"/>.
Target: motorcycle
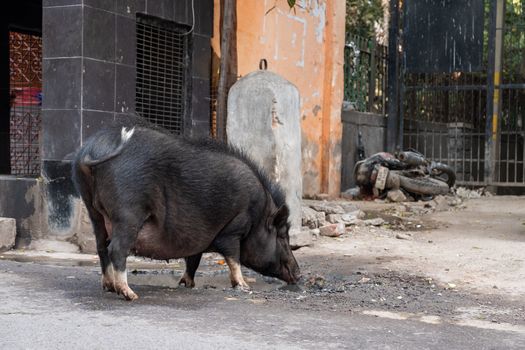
<point x="408" y="171"/>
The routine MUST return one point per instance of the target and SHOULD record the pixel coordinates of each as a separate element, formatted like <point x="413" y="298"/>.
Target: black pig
<point x="165" y="197"/>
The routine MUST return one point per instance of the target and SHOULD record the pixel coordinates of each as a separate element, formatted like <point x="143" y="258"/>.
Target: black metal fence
<point x="509" y="166"/>
<point x="469" y="113"/>
<point x="445" y="113"/>
<point x="365" y="73"/>
<point x="444" y="117"/>
<point x="474" y="120"/>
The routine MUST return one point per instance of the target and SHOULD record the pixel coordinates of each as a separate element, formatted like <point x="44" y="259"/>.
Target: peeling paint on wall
<point x="293" y="42"/>
<point x="316" y="110"/>
<point x="290" y="41"/>
<point x="319" y="11"/>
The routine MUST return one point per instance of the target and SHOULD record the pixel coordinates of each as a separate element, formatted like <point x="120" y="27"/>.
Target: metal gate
<point x="510" y="165"/>
<point x="470" y="115"/>
<point x="25" y="70"/>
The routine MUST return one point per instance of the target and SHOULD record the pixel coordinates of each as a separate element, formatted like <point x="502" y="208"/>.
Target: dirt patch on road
<point x="458" y="261"/>
<point x="327" y="288"/>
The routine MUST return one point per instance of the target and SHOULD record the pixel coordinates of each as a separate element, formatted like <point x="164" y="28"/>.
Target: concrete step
<point x="7" y="233"/>
<point x="48" y="245"/>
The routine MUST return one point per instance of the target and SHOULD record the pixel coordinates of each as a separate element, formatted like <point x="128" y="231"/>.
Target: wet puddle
<point x="207" y="277"/>
<point x="212" y="273"/>
<point x="44" y="260"/>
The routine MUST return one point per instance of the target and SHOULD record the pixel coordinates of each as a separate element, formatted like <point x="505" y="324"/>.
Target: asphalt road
<point x="63" y="307"/>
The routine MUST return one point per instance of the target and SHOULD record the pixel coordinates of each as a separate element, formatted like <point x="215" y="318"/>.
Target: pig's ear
<point x="280" y="218"/>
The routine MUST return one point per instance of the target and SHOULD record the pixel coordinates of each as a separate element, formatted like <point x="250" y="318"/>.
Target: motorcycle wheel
<point x="444" y="173"/>
<point x="423" y="185"/>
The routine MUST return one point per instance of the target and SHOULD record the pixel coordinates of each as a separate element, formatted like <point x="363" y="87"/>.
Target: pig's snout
<point x="291" y="274"/>
<point x="298" y="280"/>
<point x="295" y="279"/>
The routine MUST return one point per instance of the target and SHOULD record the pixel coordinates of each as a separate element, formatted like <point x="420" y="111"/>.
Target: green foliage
<point x="361" y="16"/>
<point x="514" y="41"/>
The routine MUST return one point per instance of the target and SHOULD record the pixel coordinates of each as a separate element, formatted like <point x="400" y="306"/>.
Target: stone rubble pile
<point x="332" y="219"/>
<point x="398" y="195"/>
<point x="466" y="193"/>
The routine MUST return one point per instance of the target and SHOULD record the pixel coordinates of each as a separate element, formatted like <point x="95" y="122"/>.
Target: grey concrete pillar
<point x="264" y="120"/>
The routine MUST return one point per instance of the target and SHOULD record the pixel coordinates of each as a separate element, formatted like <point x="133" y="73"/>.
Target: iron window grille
<point x="162" y="71"/>
<point x="25" y="90"/>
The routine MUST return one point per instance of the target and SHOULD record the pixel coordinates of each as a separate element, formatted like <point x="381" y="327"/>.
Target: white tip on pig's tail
<point x="126" y="135"/>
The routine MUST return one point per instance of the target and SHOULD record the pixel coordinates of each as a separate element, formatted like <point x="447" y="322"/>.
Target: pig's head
<point x="267" y="249"/>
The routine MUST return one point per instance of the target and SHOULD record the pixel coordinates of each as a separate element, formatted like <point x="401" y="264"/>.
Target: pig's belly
<point x="153" y="243"/>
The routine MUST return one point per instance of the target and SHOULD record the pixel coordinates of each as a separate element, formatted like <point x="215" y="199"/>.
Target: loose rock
<point x="333" y="218"/>
<point x="317" y="282"/>
<point x="321" y="196"/>
<point x="300" y="238"/>
<point x="450" y="286"/>
<point x="463" y="192"/>
<point x="454" y="202"/>
<point x="403" y="236"/>
<point x="312" y="218"/>
<point x="374" y="222"/>
<point x="396" y="196"/>
<point x="327" y="208"/>
<point x="333" y="230"/>
<point x="353" y="218"/>
<point x="351" y="193"/>
<point x="441" y="203"/>
<point x="349" y="207"/>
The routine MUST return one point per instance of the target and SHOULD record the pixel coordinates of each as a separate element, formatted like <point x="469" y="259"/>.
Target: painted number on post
<point x="382" y="174"/>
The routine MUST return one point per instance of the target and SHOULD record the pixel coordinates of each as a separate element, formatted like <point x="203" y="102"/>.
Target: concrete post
<point x="264" y="120"/>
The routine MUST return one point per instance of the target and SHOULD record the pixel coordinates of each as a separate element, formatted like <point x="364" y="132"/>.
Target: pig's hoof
<point x="243" y="287"/>
<point x="128" y="294"/>
<point x="187" y="281"/>
<point x="125" y="291"/>
<point x="108" y="286"/>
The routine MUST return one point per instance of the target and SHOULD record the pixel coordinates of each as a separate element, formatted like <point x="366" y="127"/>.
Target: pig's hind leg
<point x="192" y="263"/>
<point x="100" y="229"/>
<point x="125" y="231"/>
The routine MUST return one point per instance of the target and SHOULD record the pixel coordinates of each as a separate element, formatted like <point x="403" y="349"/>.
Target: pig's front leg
<point x="228" y="244"/>
<point x="236" y="273"/>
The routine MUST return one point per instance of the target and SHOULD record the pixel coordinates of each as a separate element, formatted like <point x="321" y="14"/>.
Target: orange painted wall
<point x="306" y="47"/>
